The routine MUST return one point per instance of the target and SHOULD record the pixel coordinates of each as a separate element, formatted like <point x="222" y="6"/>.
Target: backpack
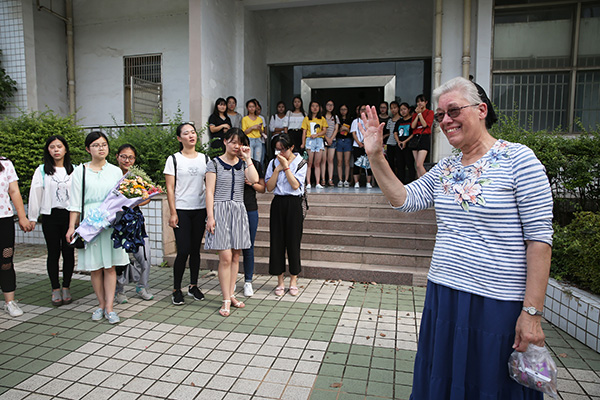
<point x="304" y="196"/>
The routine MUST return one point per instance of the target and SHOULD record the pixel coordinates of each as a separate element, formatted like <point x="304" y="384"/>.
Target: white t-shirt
<point x="354" y="128"/>
<point x="48" y="192"/>
<point x="7" y="176"/>
<point x="190" y="191"/>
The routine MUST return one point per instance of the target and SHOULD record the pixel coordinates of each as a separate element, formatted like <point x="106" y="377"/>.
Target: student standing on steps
<point x="184" y="177"/>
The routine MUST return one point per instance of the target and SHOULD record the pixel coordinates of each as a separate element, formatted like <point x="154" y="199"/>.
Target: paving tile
<point x="271" y="390"/>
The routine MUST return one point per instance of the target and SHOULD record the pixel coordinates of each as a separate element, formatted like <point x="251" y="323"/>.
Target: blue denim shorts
<point x="315" y="144"/>
<point x="343" y="144"/>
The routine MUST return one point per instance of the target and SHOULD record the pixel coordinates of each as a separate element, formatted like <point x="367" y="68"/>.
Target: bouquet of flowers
<point x="131" y="190"/>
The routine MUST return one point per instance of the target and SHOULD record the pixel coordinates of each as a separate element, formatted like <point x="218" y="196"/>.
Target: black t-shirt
<point x="403" y="128"/>
<point x="217" y="121"/>
<point x="348" y="123"/>
<point x="249" y="192"/>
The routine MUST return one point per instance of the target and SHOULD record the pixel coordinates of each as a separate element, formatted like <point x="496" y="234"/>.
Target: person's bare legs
<point x="330" y="155"/>
<point x="98" y="285"/>
<point x="323" y="166"/>
<point x="233" y="271"/>
<point x="347" y="165"/>
<point x="224" y="271"/>
<point x="420" y="156"/>
<point x="109" y="285"/>
<point x="317" y="164"/>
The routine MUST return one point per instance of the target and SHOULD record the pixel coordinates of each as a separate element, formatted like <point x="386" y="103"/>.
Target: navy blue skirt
<point x="464" y="344"/>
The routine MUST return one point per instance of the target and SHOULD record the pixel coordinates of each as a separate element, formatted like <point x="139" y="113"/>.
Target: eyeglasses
<point x="452" y="112"/>
<point x="126" y="158"/>
<point x="99" y="145"/>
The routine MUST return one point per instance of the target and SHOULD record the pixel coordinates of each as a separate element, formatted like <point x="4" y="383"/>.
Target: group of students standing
<point x="322" y="134"/>
<point x="61" y="195"/>
<point x="219" y="196"/>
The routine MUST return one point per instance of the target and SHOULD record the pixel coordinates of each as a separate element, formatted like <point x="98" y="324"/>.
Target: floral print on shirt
<point x="465" y="183"/>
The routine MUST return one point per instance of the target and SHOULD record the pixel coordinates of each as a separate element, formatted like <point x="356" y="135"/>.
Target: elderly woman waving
<point x="491" y="261"/>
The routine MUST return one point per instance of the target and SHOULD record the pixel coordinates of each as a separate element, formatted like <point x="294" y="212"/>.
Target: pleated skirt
<point x="465" y="341"/>
<point x="232" y="230"/>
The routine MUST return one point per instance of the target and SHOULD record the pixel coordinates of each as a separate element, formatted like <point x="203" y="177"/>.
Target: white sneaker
<point x="356" y="185"/>
<point x="319" y="186"/>
<point x="340" y="184"/>
<point x="369" y="186"/>
<point x="248" y="291"/>
<point x="13" y="309"/>
<point x="144" y="294"/>
<point x="308" y="185"/>
<point x="346" y="184"/>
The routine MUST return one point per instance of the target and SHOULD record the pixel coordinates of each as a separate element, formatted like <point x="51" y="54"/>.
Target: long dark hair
<point x="301" y="105"/>
<point x="178" y="131"/>
<point x="347" y="117"/>
<point x="49" y="161"/>
<point x="2" y="166"/>
<point x="220" y="100"/>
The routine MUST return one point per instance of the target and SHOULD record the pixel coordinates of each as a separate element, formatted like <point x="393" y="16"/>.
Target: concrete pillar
<point x="195" y="54"/>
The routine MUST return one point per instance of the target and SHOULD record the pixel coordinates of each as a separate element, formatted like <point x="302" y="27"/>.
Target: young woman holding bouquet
<point x="184" y="177"/>
<point x="98" y="257"/>
<point x="126" y="155"/>
<point x="227" y="226"/>
<point x="49" y="196"/>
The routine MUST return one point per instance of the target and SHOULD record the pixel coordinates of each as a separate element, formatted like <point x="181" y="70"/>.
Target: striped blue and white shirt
<point x="485" y="212"/>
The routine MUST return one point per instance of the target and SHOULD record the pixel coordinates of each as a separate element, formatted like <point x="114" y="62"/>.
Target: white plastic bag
<point x="534" y="369"/>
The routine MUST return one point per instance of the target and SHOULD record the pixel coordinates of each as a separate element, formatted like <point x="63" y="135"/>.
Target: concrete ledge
<point x="575" y="311"/>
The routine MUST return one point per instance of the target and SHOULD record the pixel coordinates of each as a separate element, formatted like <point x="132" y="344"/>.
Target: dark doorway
<point x="352" y="97"/>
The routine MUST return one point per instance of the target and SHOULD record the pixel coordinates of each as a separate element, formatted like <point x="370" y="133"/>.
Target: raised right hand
<point x="373" y="135"/>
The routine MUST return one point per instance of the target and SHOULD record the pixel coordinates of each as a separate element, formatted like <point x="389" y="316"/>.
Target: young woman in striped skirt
<point x="227" y="228"/>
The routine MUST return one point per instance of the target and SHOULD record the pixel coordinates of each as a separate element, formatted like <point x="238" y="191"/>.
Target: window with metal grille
<point x="143" y="88"/>
<point x="546" y="67"/>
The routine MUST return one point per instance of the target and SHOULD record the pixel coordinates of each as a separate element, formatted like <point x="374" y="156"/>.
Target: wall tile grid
<point x="12" y="44"/>
<point x="153" y="219"/>
<point x="574" y="311"/>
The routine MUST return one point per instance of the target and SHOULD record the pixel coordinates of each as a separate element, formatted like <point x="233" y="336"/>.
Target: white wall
<point x="256" y="70"/>
<point x="221" y="56"/>
<point x="107" y="31"/>
<point x="387" y="29"/>
<point x="51" y="59"/>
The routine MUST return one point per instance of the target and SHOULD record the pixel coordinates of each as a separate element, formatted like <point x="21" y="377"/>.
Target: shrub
<point x="572" y="162"/>
<point x="22" y="140"/>
<point x="154" y="142"/>
<point x="576" y="253"/>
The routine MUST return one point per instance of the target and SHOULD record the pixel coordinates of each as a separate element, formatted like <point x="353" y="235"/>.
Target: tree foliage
<point x="8" y="86"/>
<point x="22" y="140"/>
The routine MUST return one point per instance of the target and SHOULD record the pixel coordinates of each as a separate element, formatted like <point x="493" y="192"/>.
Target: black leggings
<point x="8" y="278"/>
<point x="188" y="238"/>
<point x="55" y="228"/>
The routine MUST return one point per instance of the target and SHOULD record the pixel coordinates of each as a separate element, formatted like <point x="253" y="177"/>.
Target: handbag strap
<point x="82" y="195"/>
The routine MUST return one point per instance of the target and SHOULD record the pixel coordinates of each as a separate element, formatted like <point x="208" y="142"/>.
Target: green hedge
<point x="576" y="253"/>
<point x="572" y="162"/>
<point x="22" y="140"/>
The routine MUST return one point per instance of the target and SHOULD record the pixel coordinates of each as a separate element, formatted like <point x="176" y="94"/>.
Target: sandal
<point x="57" y="298"/>
<point x="66" y="296"/>
<point x="279" y="291"/>
<point x="293" y="291"/>
<point x="236" y="303"/>
<point x="225" y="311"/>
<point x="330" y="183"/>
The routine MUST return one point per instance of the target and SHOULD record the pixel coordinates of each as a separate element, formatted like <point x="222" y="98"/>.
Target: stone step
<point x="353" y="254"/>
<point x="363" y="225"/>
<point x="368" y="239"/>
<point x="359" y="272"/>
<point x="335" y="196"/>
<point x="357" y="211"/>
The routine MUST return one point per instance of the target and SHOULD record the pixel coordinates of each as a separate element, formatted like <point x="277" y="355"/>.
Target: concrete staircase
<point x="352" y="236"/>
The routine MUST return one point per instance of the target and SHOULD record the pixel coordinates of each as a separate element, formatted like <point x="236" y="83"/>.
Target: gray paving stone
<point x="76" y="391"/>
<point x="271" y="390"/>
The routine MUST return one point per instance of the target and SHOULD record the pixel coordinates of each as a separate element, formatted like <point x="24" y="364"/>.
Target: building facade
<point x="113" y="61"/>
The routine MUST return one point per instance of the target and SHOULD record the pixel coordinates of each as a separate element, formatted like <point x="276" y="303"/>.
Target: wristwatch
<point x="532" y="311"/>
